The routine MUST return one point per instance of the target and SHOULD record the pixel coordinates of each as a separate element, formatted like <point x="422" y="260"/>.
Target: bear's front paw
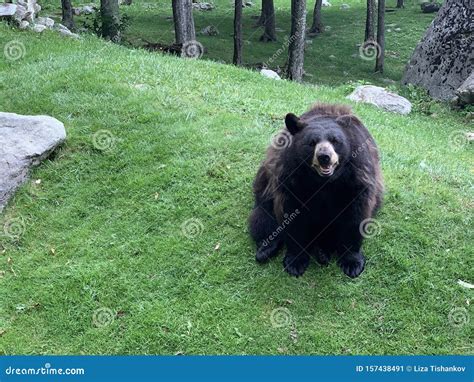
<point x="353" y="264"/>
<point x="296" y="265"/>
<point x="322" y="258"/>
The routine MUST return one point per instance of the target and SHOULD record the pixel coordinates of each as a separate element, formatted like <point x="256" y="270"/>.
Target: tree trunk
<point x="369" y="21"/>
<point x="261" y="19"/>
<point x="297" y="38"/>
<point x="183" y="21"/>
<point x="237" y="60"/>
<point x="109" y="10"/>
<point x="317" y="26"/>
<point x="379" y="63"/>
<point x="444" y="58"/>
<point x="268" y="13"/>
<point x="67" y="19"/>
<point x="400" y="4"/>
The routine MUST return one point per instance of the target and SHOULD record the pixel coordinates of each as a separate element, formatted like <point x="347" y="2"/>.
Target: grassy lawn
<point x="135" y="240"/>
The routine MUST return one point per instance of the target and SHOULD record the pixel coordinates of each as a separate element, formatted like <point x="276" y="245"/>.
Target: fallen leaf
<point x="38" y="181"/>
<point x="216" y="248"/>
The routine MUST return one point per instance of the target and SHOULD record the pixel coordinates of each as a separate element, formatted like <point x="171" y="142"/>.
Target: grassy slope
<point x="187" y="143"/>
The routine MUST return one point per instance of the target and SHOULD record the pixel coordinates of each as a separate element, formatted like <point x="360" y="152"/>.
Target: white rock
<point x="20" y="13"/>
<point x="326" y="3"/>
<point x="203" y="6"/>
<point x="68" y="33"/>
<point x="46" y="21"/>
<point x="38" y="28"/>
<point x="465" y="93"/>
<point x="270" y="74"/>
<point x="24" y="24"/>
<point x="381" y="98"/>
<point x="210" y="30"/>
<point x="23" y="3"/>
<point x="24" y="142"/>
<point x="7" y="9"/>
<point x="88" y="10"/>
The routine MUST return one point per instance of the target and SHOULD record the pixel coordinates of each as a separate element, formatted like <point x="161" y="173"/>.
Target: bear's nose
<point x="324" y="159"/>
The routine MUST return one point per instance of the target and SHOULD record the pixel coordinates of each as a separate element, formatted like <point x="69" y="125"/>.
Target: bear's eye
<point x="312" y="143"/>
<point x="333" y="140"/>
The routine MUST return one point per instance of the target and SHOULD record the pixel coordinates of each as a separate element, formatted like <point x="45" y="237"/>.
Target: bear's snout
<point x="325" y="159"/>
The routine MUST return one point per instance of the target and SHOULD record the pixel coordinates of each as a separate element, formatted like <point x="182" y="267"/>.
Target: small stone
<point x="344" y="6"/>
<point x="270" y="74"/>
<point x="210" y="30"/>
<point x="68" y="33"/>
<point x="38" y="28"/>
<point x="24" y="24"/>
<point x="46" y="21"/>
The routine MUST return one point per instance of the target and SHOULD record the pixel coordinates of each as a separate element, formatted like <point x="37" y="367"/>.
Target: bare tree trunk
<point x="109" y="11"/>
<point x="297" y="38"/>
<point x="67" y="19"/>
<point x="370" y="21"/>
<point x="237" y="60"/>
<point x="261" y="19"/>
<point x="268" y="13"/>
<point x="317" y="26"/>
<point x="183" y="21"/>
<point x="379" y="63"/>
<point x="400" y="4"/>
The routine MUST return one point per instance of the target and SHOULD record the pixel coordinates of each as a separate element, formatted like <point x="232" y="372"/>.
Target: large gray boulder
<point x="381" y="98"/>
<point x="444" y="57"/>
<point x="24" y="142"/>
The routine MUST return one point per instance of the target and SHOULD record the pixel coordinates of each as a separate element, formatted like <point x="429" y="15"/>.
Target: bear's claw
<point x="295" y="265"/>
<point x="352" y="265"/>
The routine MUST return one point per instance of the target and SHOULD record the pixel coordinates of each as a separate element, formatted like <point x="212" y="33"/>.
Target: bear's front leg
<point x="297" y="241"/>
<point x="349" y="252"/>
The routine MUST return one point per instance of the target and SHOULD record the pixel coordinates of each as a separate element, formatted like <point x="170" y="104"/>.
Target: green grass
<point x="332" y="58"/>
<point x="103" y="229"/>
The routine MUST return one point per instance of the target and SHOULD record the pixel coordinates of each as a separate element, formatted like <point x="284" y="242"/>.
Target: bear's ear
<point x="348" y="120"/>
<point x="293" y="123"/>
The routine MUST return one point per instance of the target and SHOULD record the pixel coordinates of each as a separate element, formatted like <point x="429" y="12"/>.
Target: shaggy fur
<point x="298" y="205"/>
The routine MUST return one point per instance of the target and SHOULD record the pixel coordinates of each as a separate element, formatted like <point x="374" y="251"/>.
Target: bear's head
<point x="320" y="143"/>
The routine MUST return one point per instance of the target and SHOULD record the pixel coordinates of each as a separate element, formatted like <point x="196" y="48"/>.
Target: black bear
<point x="319" y="183"/>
